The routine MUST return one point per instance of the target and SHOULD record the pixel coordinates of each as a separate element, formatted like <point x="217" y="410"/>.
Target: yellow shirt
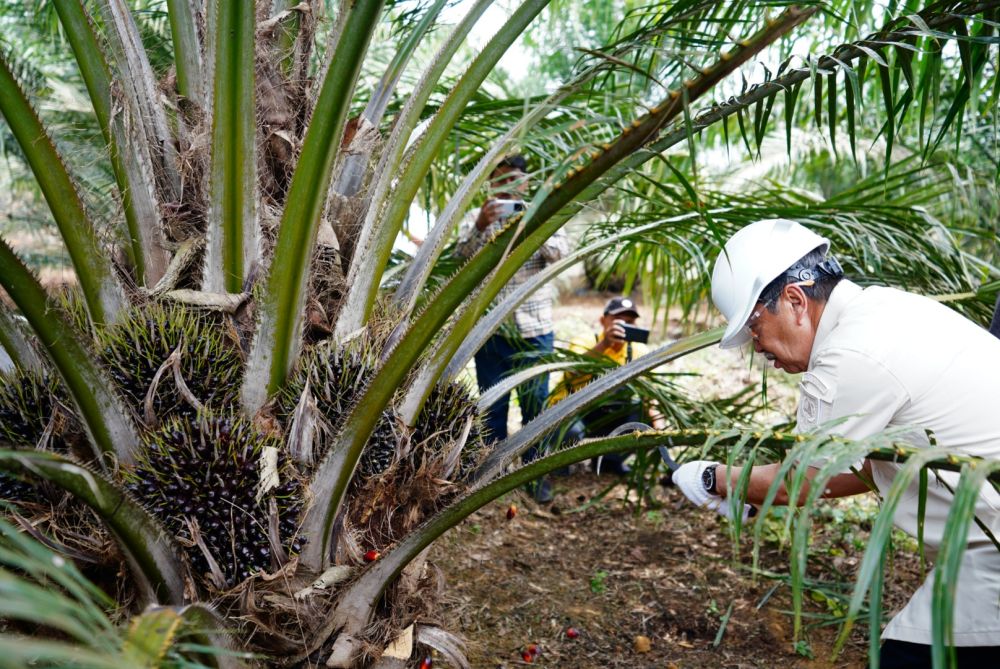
<point x="571" y="382"/>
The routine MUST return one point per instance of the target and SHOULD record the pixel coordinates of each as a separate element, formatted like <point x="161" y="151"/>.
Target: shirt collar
<point x="842" y="295"/>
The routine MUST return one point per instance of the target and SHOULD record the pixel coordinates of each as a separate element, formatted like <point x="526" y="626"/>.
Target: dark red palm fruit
<point x="534" y="649"/>
<point x="527" y="657"/>
<point x="372" y="555"/>
<point x="511" y="511"/>
<point x="572" y="632"/>
<point x="427" y="663"/>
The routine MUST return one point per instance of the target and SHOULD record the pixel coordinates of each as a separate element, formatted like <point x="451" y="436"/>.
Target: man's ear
<point x="797" y="300"/>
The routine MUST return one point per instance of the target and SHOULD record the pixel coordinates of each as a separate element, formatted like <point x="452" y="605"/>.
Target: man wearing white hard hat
<point x="870" y="358"/>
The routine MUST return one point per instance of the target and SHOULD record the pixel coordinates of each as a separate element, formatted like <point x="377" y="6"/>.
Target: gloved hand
<point x="688" y="477"/>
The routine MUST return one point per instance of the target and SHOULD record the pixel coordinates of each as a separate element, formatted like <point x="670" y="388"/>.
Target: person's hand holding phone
<point x="614" y="332"/>
<point x="489" y="213"/>
<point x="496" y="209"/>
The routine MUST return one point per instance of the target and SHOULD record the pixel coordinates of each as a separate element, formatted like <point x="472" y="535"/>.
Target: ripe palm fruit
<point x="207" y="470"/>
<point x="136" y="347"/>
<point x="442" y="421"/>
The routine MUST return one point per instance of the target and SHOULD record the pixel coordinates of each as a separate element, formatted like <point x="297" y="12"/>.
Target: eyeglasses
<point x="752" y="321"/>
<point x="755" y="316"/>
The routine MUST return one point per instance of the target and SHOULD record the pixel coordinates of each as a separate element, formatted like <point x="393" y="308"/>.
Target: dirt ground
<point x="666" y="573"/>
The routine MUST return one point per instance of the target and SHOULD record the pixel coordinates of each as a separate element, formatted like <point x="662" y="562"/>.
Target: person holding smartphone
<point x="620" y="341"/>
<point x="518" y="343"/>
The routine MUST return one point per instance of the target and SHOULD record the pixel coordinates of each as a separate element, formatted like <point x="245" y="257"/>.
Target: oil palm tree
<point x="241" y="408"/>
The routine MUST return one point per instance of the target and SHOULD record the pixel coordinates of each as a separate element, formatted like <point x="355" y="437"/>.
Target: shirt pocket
<point x="816" y="393"/>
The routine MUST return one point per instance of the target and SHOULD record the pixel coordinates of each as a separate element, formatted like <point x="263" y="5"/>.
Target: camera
<point x="636" y="334"/>
<point x="510" y="207"/>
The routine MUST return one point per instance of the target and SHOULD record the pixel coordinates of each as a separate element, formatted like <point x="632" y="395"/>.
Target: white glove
<point x="688" y="479"/>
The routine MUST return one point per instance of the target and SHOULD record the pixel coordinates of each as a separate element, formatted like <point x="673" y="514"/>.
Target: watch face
<point x="708" y="479"/>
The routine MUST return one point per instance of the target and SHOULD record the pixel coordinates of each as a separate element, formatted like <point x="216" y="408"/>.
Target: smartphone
<point x="636" y="334"/>
<point x="510" y="207"/>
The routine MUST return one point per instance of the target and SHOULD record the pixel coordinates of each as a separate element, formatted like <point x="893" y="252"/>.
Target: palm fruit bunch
<point x="336" y="377"/>
<point x="13" y="490"/>
<point x="441" y="423"/>
<point x="380" y="450"/>
<point x="27" y="404"/>
<point x="135" y="348"/>
<point x="207" y="471"/>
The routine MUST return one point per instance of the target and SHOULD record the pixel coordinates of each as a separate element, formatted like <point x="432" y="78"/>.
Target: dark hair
<point x="514" y="161"/>
<point x="827" y="275"/>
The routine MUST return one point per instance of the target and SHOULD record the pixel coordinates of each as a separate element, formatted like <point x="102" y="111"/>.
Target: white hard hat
<point x="752" y="258"/>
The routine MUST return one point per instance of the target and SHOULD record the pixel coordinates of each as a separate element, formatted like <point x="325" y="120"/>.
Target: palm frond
<point x="880" y="227"/>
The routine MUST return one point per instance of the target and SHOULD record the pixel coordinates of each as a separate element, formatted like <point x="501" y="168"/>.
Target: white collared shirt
<point x="886" y="358"/>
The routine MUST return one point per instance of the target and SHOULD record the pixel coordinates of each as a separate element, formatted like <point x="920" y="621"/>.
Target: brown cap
<point x="620" y="305"/>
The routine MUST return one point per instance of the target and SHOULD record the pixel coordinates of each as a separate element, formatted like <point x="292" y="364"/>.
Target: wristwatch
<point x="708" y="479"/>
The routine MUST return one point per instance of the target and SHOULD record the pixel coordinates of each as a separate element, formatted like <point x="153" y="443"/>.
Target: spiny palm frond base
<point x="326" y="291"/>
